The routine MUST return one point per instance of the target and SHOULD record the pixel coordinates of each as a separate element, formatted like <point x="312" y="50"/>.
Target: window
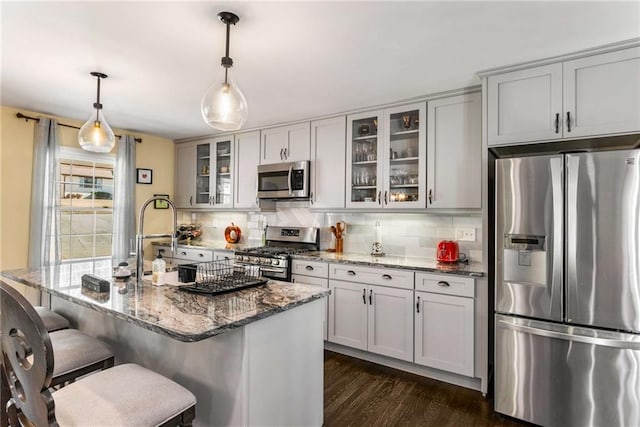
<point x="86" y="204"/>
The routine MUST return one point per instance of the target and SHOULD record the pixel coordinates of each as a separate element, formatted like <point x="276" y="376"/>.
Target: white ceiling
<point x="293" y="60"/>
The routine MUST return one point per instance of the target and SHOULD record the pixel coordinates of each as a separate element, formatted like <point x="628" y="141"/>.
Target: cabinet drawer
<point x="308" y="280"/>
<point x="372" y="276"/>
<point x="310" y="268"/>
<point x="445" y="284"/>
<point x="197" y="255"/>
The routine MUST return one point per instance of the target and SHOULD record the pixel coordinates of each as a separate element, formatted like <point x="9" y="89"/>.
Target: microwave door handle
<point x="289" y="179"/>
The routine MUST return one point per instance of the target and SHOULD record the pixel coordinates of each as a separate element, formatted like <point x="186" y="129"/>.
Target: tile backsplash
<point x="403" y="234"/>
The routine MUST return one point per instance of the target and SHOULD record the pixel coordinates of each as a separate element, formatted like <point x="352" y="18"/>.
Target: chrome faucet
<point x="140" y="236"/>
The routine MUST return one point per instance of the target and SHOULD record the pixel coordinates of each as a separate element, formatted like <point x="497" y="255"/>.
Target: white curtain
<point x="44" y="235"/>
<point x="124" y="200"/>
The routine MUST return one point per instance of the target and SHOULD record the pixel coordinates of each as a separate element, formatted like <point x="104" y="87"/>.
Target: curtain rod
<point x="27" y="118"/>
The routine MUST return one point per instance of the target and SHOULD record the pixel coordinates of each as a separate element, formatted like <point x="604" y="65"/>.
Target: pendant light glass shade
<point x="96" y="134"/>
<point x="223" y="105"/>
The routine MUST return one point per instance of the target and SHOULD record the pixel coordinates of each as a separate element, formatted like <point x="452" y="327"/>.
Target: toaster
<point x="447" y="251"/>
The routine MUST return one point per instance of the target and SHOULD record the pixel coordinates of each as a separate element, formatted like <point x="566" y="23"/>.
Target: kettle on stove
<point x="448" y="251"/>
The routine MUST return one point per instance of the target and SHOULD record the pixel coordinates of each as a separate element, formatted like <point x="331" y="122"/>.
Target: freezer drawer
<point x="558" y="375"/>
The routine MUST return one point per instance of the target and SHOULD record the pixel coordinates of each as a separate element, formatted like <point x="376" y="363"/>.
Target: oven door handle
<point x="273" y="270"/>
<point x="289" y="179"/>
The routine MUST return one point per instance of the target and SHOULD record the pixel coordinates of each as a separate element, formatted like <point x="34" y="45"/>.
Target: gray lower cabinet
<point x="378" y="319"/>
<point x="444" y="323"/>
<point x="316" y="274"/>
<point x="185" y="255"/>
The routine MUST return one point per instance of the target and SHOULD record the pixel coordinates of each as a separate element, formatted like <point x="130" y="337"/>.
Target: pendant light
<point x="223" y="106"/>
<point x="96" y="134"/>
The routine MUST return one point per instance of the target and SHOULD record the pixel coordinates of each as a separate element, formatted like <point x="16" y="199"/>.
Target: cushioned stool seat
<point x="74" y="353"/>
<point x="126" y="395"/>
<point x="52" y="320"/>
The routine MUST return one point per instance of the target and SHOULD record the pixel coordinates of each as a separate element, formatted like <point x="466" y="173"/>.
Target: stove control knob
<point x="265" y="261"/>
<point x="255" y="260"/>
<point x="240" y="258"/>
<point x="275" y="262"/>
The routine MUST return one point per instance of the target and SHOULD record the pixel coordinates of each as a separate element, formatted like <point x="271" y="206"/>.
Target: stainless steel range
<point x="274" y="259"/>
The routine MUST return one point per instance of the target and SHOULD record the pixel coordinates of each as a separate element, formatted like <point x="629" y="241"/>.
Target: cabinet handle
<point x="418" y="306"/>
<point x="568" y="121"/>
<point x="430" y="196"/>
<point x="370" y="296"/>
<point x="213" y="200"/>
<point x="379" y="198"/>
<point x="385" y="197"/>
<point x="183" y="253"/>
<point x="281" y="153"/>
<point x="557" y="122"/>
<point x="311" y="198"/>
<point x="190" y="200"/>
<point x="308" y="267"/>
<point x="443" y="284"/>
<point x="386" y="276"/>
<point x="364" y="296"/>
<point x="351" y="273"/>
<point x="286" y="154"/>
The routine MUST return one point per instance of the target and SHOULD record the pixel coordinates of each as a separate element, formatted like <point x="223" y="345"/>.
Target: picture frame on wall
<point x="161" y="204"/>
<point x="144" y="176"/>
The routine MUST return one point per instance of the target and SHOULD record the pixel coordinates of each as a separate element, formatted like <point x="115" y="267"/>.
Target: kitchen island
<point x="251" y="357"/>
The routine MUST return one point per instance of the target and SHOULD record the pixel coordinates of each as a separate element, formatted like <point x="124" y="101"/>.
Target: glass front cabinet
<point x="214" y="161"/>
<point x="386" y="158"/>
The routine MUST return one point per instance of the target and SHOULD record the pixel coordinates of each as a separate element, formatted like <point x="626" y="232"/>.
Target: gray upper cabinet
<point x="588" y="96"/>
<point x="246" y="171"/>
<point x="328" y="138"/>
<point x="285" y="144"/>
<point x="523" y="105"/>
<point x="454" y="152"/>
<point x="185" y="184"/>
<point x="601" y="94"/>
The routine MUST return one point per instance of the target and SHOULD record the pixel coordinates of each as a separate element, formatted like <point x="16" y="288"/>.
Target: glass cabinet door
<point x="223" y="150"/>
<point x="203" y="174"/>
<point x="405" y="164"/>
<point x="363" y="166"/>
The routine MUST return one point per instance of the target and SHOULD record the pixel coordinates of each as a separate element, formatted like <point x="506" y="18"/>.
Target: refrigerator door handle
<point x="607" y="342"/>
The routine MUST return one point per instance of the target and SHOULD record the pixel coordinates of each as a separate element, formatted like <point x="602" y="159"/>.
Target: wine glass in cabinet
<point x="363" y="165"/>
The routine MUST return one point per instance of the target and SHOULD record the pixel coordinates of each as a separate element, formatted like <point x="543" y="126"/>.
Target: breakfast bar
<point x="244" y="354"/>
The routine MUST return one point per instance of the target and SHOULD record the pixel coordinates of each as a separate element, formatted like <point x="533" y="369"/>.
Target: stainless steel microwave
<point x="284" y="180"/>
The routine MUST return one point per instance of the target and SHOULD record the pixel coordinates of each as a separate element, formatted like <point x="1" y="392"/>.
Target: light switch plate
<point x="466" y="234"/>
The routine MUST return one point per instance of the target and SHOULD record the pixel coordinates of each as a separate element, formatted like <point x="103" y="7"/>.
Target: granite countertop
<point x="472" y="269"/>
<point x="207" y="244"/>
<point x="166" y="309"/>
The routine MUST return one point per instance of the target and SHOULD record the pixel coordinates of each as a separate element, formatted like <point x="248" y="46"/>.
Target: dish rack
<point x="217" y="277"/>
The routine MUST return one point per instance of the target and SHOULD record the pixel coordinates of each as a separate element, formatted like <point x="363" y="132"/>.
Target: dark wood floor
<point x="360" y="393"/>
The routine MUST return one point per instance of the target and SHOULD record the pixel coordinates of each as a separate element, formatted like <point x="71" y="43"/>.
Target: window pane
<point x="86" y="202"/>
<point x="103" y="245"/>
<point x="65" y="247"/>
<point x="82" y="222"/>
<point x="81" y="247"/>
<point x="65" y="223"/>
<point x="104" y="222"/>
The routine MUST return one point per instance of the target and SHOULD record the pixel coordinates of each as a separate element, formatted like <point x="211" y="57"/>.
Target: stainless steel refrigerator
<point x="567" y="291"/>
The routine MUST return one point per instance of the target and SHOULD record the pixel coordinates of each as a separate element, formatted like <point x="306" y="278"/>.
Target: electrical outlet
<point x="466" y="234"/>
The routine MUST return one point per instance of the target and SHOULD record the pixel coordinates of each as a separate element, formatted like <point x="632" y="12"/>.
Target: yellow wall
<point x="16" y="158"/>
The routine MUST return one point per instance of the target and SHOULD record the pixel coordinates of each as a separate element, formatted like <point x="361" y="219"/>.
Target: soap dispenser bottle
<point x="158" y="269"/>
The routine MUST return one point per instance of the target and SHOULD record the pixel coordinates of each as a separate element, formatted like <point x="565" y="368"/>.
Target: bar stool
<point x="124" y="395"/>
<point x="52" y="320"/>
